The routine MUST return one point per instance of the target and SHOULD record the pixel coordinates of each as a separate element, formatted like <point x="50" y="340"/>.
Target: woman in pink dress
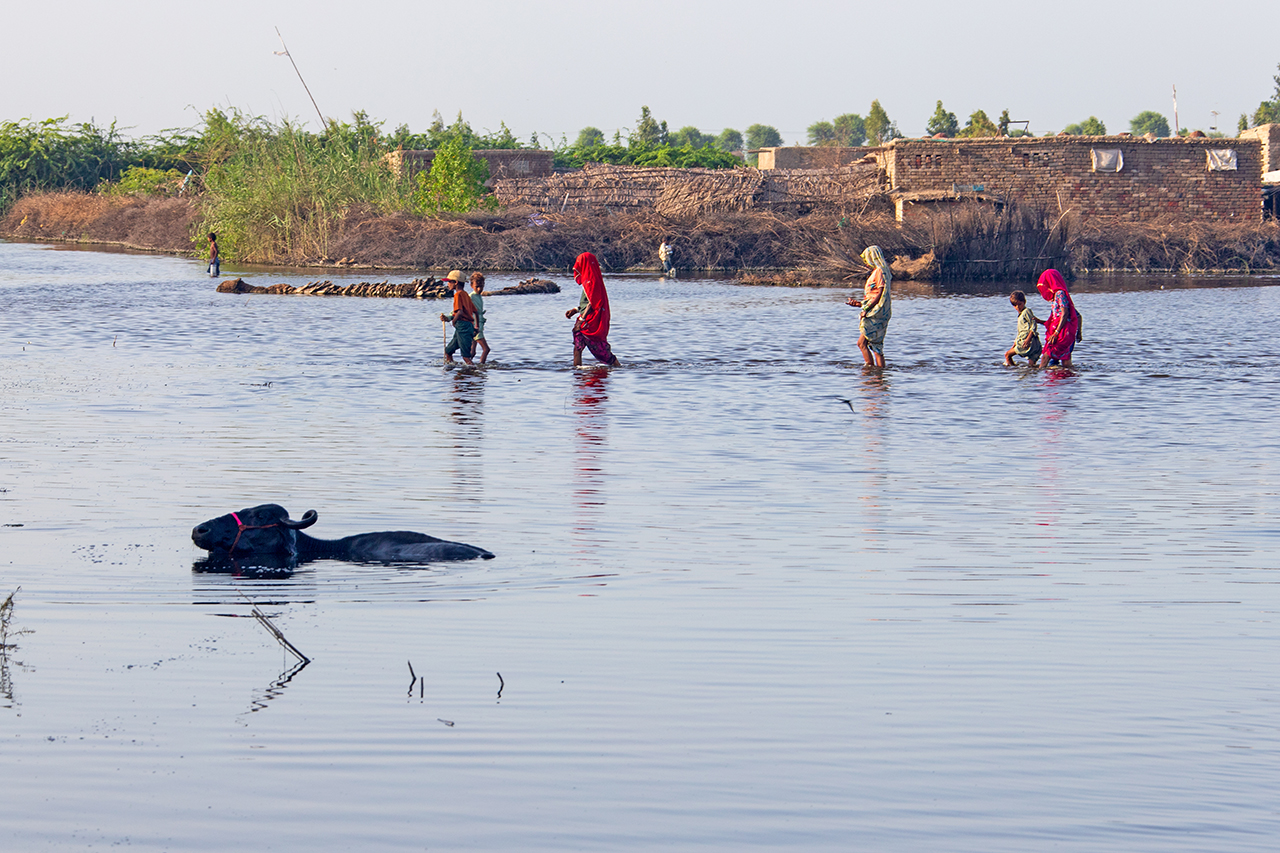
<point x="1063" y="326"/>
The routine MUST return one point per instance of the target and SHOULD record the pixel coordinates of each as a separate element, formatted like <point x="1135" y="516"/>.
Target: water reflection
<point x="276" y="688"/>
<point x="465" y="414"/>
<point x="590" y="399"/>
<point x="256" y="567"/>
<point x="1055" y="461"/>
<point x="872" y="401"/>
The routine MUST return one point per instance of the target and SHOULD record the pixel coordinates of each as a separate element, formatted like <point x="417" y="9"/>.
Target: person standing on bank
<point x="477" y="301"/>
<point x="591" y="329"/>
<point x="215" y="260"/>
<point x="463" y="319"/>
<point x="876" y="307"/>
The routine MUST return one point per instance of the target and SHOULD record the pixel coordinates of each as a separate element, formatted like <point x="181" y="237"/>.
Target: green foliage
<point x="690" y="136"/>
<point x="50" y="154"/>
<point x="278" y="193"/>
<point x="763" y="136"/>
<point x="649" y="131"/>
<point x="851" y="130"/>
<point x="729" y="140"/>
<point x="684" y="156"/>
<point x="1092" y="126"/>
<point x="437" y="134"/>
<point x="455" y="183"/>
<point x="1149" y="121"/>
<point x="1268" y="112"/>
<point x="589" y="137"/>
<point x="979" y="125"/>
<point x="846" y="130"/>
<point x="942" y="122"/>
<point x="1243" y="123"/>
<point x="822" y="133"/>
<point x="880" y="130"/>
<point x="140" y="180"/>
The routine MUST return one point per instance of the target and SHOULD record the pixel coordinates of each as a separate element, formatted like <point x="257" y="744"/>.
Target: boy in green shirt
<point x="1027" y="342"/>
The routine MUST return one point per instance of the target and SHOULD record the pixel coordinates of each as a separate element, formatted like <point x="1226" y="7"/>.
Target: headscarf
<point x="1053" y="287"/>
<point x="586" y="272"/>
<point x="1051" y="281"/>
<point x="873" y="257"/>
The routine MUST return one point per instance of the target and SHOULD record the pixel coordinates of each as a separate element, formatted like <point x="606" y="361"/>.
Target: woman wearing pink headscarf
<point x="1062" y="329"/>
<point x="591" y="330"/>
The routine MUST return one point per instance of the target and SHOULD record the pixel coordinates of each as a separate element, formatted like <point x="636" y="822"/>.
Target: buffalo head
<point x="261" y="530"/>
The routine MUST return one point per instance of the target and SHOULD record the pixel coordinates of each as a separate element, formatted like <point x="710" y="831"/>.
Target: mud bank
<point x="765" y="248"/>
<point x="150" y="224"/>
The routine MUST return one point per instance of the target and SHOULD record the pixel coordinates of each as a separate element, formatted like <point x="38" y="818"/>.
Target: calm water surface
<point x="971" y="609"/>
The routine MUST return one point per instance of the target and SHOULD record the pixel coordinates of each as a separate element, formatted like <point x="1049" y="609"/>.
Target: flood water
<point x="970" y="609"/>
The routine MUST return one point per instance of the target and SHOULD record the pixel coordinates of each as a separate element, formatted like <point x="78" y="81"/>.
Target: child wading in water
<point x="477" y="301"/>
<point x="1027" y="342"/>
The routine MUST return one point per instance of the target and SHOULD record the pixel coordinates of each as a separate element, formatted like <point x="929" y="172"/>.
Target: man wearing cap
<point x="463" y="319"/>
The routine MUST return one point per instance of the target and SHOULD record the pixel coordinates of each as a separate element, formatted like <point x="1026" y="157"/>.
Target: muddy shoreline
<point x="811" y="249"/>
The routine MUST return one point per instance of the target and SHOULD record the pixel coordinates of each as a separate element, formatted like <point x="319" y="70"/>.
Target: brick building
<point x="503" y="162"/>
<point x="810" y="157"/>
<point x="1122" y="176"/>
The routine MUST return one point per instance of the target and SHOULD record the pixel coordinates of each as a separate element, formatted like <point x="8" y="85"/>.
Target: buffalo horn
<point x="308" y="518"/>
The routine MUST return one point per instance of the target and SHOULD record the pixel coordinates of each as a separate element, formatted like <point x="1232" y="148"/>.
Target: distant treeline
<point x="276" y="192"/>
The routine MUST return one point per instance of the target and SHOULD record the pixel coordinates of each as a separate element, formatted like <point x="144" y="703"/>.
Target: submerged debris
<point x="419" y="288"/>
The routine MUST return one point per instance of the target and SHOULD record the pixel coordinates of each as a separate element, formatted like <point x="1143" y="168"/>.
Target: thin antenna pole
<point x="286" y="52"/>
<point x="1177" y="131"/>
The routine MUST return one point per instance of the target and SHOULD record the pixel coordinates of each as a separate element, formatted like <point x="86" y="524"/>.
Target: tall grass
<point x="275" y="193"/>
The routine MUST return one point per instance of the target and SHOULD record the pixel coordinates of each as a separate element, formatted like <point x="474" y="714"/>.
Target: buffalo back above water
<point x="267" y="530"/>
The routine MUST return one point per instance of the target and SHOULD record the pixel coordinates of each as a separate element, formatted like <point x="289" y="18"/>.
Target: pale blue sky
<point x="559" y="65"/>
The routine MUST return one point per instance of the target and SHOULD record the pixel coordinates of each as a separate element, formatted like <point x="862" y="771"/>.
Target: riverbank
<point x="980" y="243"/>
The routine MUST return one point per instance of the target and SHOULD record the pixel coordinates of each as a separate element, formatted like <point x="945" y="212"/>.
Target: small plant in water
<point x="6" y="614"/>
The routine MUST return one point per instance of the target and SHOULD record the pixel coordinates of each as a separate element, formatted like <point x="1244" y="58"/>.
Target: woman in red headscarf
<point x="1063" y="326"/>
<point x="591" y="330"/>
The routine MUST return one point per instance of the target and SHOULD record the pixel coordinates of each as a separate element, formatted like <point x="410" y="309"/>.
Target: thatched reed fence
<point x="685" y="193"/>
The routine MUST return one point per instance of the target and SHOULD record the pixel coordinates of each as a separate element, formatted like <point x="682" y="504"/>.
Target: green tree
<point x="880" y="130"/>
<point x="691" y="136"/>
<point x="1149" y="121"/>
<point x="851" y="129"/>
<point x="1268" y="112"/>
<point x="763" y="136"/>
<point x="822" y="133"/>
<point x="1092" y="126"/>
<point x="438" y="133"/>
<point x="649" y="131"/>
<point x="729" y="140"/>
<point x="589" y="137"/>
<point x="979" y="125"/>
<point x="455" y="183"/>
<point x="942" y="122"/>
<point x="1243" y="124"/>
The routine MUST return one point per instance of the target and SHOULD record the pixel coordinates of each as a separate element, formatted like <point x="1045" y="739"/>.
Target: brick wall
<point x="1269" y="136"/>
<point x="503" y="162"/>
<point x="1161" y="176"/>
<point x="811" y="157"/>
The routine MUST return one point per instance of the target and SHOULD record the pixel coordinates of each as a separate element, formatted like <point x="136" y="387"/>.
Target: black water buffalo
<point x="267" y="531"/>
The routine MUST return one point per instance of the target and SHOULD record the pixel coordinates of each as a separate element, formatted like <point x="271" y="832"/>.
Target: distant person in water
<point x="1062" y="329"/>
<point x="667" y="255"/>
<point x="463" y="318"/>
<point x="215" y="260"/>
<point x="876" y="307"/>
<point x="591" y="329"/>
<point x="477" y="301"/>
<point x="1027" y="342"/>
